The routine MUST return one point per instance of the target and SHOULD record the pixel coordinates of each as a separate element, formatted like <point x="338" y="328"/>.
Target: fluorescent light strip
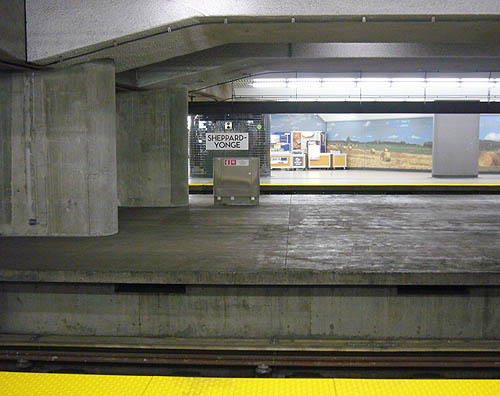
<point x="380" y="89"/>
<point x="373" y="82"/>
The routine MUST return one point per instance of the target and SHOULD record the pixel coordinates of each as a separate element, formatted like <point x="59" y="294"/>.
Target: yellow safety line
<point x="43" y="384"/>
<point x="363" y="387"/>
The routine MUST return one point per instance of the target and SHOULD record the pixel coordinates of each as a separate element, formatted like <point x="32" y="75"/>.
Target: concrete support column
<point x="58" y="135"/>
<point x="455" y="148"/>
<point x="152" y="145"/>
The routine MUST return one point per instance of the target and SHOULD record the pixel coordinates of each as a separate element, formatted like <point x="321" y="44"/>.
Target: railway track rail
<point x="140" y="356"/>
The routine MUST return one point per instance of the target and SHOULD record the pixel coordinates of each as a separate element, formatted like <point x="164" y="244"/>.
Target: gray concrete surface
<point x="234" y="312"/>
<point x="361" y="177"/>
<point x="152" y="148"/>
<point x="60" y="177"/>
<point x="325" y="37"/>
<point x="80" y="25"/>
<point x="12" y="30"/>
<point x="140" y="40"/>
<point x="455" y="145"/>
<point x="225" y="62"/>
<point x="287" y="240"/>
<point x="5" y="148"/>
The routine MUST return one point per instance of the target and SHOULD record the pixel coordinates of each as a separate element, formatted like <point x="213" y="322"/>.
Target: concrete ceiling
<point x="131" y="53"/>
<point x="66" y="27"/>
<point x="232" y="61"/>
<point x="186" y="43"/>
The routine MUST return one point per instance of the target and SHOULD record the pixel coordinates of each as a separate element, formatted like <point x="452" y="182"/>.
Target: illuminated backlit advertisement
<point x="276" y="160"/>
<point x="297" y="141"/>
<point x="298" y="161"/>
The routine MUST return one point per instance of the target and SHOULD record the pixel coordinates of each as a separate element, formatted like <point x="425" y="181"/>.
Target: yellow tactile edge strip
<point x="365" y="185"/>
<point x="41" y="384"/>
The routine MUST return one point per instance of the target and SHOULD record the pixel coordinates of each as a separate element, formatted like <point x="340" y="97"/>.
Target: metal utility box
<point x="236" y="181"/>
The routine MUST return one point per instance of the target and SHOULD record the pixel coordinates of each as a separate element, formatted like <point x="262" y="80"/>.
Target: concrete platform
<point x="362" y="182"/>
<point x="362" y="177"/>
<point x="287" y="240"/>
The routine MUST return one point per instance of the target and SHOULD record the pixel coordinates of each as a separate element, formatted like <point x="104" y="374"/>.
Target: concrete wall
<point x="5" y="148"/>
<point x="152" y="142"/>
<point x="249" y="312"/>
<point x="71" y="24"/>
<point x="455" y="148"/>
<point x="62" y="152"/>
<point x="12" y="30"/>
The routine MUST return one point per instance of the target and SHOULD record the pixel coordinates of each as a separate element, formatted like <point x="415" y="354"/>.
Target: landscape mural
<point x="489" y="143"/>
<point x="297" y="122"/>
<point x="384" y="144"/>
<point x="404" y="143"/>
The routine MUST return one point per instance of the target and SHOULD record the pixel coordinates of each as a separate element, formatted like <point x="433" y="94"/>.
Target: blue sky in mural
<point x="412" y="131"/>
<point x="296" y="122"/>
<point x="490" y="127"/>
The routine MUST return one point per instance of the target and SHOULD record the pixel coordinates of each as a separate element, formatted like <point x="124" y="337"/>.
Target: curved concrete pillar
<point x="60" y="177"/>
<point x="152" y="146"/>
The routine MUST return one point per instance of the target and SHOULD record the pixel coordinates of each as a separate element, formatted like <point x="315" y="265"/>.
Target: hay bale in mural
<point x="385" y="155"/>
<point x="373" y="151"/>
<point x="363" y="158"/>
<point x="489" y="159"/>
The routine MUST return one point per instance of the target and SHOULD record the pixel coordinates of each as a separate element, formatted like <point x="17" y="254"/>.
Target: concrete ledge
<point x="251" y="312"/>
<point x="264" y="278"/>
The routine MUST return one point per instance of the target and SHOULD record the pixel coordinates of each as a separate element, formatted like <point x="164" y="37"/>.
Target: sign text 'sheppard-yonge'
<point x="227" y="141"/>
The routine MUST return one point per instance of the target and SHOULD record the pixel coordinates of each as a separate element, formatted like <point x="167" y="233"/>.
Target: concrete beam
<point x="216" y="93"/>
<point x="331" y="107"/>
<point x="230" y="61"/>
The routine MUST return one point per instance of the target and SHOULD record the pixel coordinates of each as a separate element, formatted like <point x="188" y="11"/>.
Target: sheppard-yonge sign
<point x="227" y="141"/>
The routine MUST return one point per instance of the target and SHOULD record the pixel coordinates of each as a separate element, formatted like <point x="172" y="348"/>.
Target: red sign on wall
<point x="236" y="162"/>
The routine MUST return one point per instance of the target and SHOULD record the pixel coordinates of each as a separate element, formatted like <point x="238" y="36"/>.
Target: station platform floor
<point x="286" y="240"/>
<point x="43" y="384"/>
<point x="361" y="177"/>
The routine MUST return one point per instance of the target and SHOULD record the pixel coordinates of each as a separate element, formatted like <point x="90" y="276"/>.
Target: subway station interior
<point x="249" y="198"/>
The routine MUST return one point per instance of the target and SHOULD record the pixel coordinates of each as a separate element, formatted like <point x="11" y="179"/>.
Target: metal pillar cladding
<point x="236" y="181"/>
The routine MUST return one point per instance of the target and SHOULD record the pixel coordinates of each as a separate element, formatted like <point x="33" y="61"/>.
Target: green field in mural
<point x="401" y="143"/>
